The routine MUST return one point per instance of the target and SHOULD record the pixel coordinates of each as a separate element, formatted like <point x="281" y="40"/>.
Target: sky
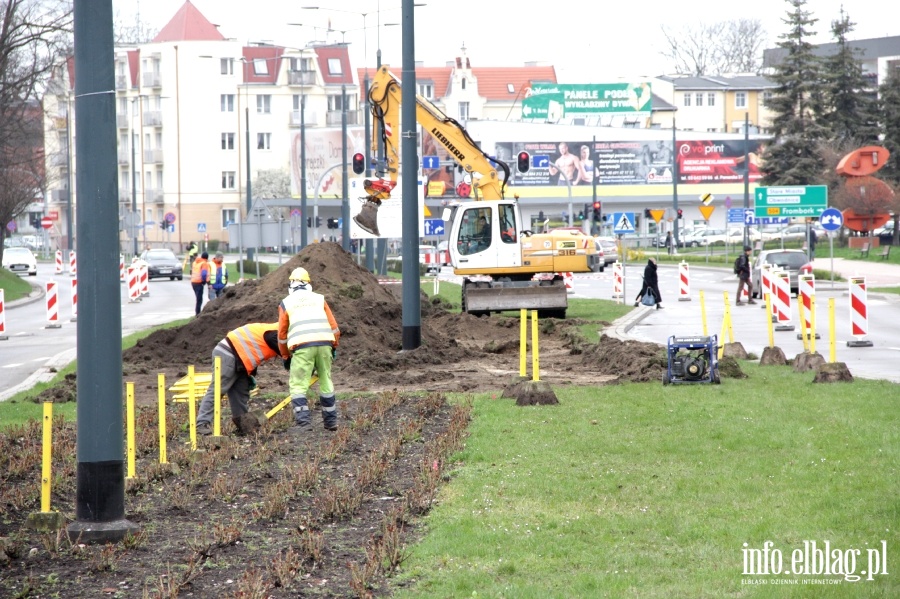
<point x="586" y="43"/>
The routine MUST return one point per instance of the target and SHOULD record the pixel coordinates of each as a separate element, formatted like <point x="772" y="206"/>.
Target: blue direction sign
<point x="431" y="162"/>
<point x="540" y="160"/>
<point x="751" y="220"/>
<point x="831" y="219"/>
<point x="623" y="222"/>
<point x="434" y="226"/>
<point x="738" y="216"/>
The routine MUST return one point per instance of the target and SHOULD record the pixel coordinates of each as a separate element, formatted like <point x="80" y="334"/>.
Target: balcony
<point x="58" y="159"/>
<point x="124" y="156"/>
<point x="152" y="118"/>
<point x="59" y="195"/>
<point x="153" y="156"/>
<point x="154" y="196"/>
<point x="121" y="82"/>
<point x="301" y="77"/>
<point x="122" y="120"/>
<point x="333" y="117"/>
<point x="151" y="79"/>
<point x="124" y="195"/>
<point x="309" y="118"/>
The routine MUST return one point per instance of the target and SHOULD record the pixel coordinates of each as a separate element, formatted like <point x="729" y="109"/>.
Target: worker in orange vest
<point x="199" y="279"/>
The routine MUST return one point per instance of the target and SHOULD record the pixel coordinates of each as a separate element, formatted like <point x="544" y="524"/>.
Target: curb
<point x="619" y="329"/>
<point x="43" y="374"/>
<point x="37" y="292"/>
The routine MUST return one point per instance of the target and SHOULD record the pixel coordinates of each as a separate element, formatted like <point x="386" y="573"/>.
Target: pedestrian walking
<point x="742" y="270"/>
<point x="651" y="284"/>
<point x="670" y="243"/>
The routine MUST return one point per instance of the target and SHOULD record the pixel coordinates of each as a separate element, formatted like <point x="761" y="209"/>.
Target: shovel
<point x="256" y="418"/>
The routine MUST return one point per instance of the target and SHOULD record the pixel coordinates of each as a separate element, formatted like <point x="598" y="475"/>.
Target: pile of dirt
<point x="636" y="361"/>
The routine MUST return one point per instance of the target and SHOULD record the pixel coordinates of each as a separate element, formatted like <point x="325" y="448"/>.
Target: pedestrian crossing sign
<point x="623" y="222"/>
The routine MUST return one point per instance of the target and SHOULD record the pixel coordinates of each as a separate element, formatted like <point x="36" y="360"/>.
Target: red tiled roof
<point x="272" y="57"/>
<point x="188" y="24"/>
<point x="339" y="51"/>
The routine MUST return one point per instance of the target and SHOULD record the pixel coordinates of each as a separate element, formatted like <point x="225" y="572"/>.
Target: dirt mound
<point x="636" y="361"/>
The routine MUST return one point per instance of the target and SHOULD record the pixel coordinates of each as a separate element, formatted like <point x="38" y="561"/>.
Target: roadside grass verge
<point x="635" y="491"/>
<point x="13" y="286"/>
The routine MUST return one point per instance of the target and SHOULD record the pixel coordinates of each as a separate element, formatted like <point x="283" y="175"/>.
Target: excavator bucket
<point x="497" y="298"/>
<point x="367" y="218"/>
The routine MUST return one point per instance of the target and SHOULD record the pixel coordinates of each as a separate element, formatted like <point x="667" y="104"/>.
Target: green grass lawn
<point x="14" y="287"/>
<point x="636" y="491"/>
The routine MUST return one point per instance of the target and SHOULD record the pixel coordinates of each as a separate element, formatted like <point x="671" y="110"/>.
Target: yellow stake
<point x="47" y="454"/>
<point x="721" y="339"/>
<point x="535" y="360"/>
<point x="192" y="409"/>
<point x="769" y="320"/>
<point x="812" y="323"/>
<point x="129" y="427"/>
<point x="802" y="324"/>
<point x="161" y="392"/>
<point x="217" y="395"/>
<point x="523" y="342"/>
<point x="703" y="314"/>
<point x="728" y="319"/>
<point x="832" y="343"/>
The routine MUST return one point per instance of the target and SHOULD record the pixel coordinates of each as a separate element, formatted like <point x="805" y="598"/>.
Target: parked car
<point x="798" y="233"/>
<point x="795" y="262"/>
<point x="20" y="259"/>
<point x="162" y="263"/>
<point x="736" y="235"/>
<point x="609" y="247"/>
<point x="886" y="233"/>
<point x="688" y="238"/>
<point x="710" y="237"/>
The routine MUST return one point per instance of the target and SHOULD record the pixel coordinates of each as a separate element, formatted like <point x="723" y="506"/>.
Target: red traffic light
<point x="596" y="205"/>
<point x="359" y="163"/>
<point x="680" y="213"/>
<point x="523" y="162"/>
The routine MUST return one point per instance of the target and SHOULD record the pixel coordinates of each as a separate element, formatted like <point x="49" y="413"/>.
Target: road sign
<point x="706" y="211"/>
<point x="746" y="217"/>
<point x="46" y="222"/>
<point x="295" y="212"/>
<point x="201" y="227"/>
<point x="54" y="214"/>
<point x="170" y="217"/>
<point x="11" y="226"/>
<point x="171" y="228"/>
<point x="623" y="222"/>
<point x="800" y="200"/>
<point x="431" y="162"/>
<point x="434" y="226"/>
<point x="657" y="214"/>
<point x="706" y="199"/>
<point x="540" y="160"/>
<point x="831" y="219"/>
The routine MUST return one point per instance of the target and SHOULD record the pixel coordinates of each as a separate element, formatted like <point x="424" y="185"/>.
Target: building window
<point x="766" y="96"/>
<point x="336" y="102"/>
<point x="426" y="89"/>
<point x="711" y="99"/>
<point x="510" y="88"/>
<point x="229" y="217"/>
<point x="264" y="104"/>
<point x="463" y="85"/>
<point x="740" y="100"/>
<point x="263" y="141"/>
<point x="227" y="179"/>
<point x="261" y="66"/>
<point x="227" y="66"/>
<point x="334" y="66"/>
<point x="463" y="111"/>
<point x="227" y="101"/>
<point x="699" y="98"/>
<point x="228" y="141"/>
<point x="687" y="99"/>
<point x="301" y="64"/>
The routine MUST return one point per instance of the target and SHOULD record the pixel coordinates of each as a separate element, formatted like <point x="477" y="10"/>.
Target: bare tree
<point x="132" y="33"/>
<point x="33" y="34"/>
<point x="717" y="48"/>
<point x="272" y="184"/>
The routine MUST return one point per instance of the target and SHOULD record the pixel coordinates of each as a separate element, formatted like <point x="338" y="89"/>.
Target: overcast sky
<point x="587" y="42"/>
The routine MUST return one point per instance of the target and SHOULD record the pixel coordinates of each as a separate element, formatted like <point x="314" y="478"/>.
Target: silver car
<point x="795" y="262"/>
<point x="20" y="259"/>
<point x="607" y="245"/>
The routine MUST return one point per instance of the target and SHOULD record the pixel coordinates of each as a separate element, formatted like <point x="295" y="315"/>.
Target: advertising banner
<point x="717" y="161"/>
<point x="555" y="100"/>
<point x="323" y="159"/>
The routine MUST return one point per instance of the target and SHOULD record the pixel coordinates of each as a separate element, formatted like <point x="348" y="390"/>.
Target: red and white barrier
<point x="52" y="305"/>
<point x="134" y="284"/>
<point x="72" y="262"/>
<point x="618" y="276"/>
<point x="569" y="279"/>
<point x="684" y="282"/>
<point x="765" y="281"/>
<point x="859" y="313"/>
<point x="144" y="273"/>
<point x="3" y="335"/>
<point x="122" y="267"/>
<point x="437" y="257"/>
<point x="74" y="300"/>
<point x="781" y="300"/>
<point x="59" y="263"/>
<point x="806" y="289"/>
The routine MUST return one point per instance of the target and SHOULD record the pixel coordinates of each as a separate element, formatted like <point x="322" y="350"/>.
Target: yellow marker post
<point x="161" y="393"/>
<point x="523" y="342"/>
<point x="724" y="328"/>
<point x="769" y="320"/>
<point x="803" y="331"/>
<point x="703" y="314"/>
<point x="192" y="409"/>
<point x="535" y="360"/>
<point x="47" y="447"/>
<point x="129" y="427"/>
<point x="812" y="323"/>
<point x="728" y="319"/>
<point x="217" y="395"/>
<point x="831" y="337"/>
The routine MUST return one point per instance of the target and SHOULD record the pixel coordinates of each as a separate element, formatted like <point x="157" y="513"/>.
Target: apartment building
<point x="877" y="57"/>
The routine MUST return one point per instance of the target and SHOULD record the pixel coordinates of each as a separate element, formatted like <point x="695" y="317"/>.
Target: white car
<point x="20" y="259"/>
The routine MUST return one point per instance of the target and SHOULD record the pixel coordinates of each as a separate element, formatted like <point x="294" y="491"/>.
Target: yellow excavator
<point x="504" y="265"/>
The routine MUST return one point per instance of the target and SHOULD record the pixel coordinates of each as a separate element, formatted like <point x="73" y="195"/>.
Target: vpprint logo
<point x="824" y="563"/>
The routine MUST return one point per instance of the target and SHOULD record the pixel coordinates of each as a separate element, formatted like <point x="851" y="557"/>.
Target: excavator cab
<point x="485" y="235"/>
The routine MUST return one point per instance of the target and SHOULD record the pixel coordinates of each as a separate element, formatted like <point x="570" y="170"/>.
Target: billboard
<point x="324" y="149"/>
<point x="718" y="161"/>
<point x="555" y="100"/>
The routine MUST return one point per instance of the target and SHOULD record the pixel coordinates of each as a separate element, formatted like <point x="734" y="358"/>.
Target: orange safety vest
<point x="196" y="275"/>
<point x="250" y="344"/>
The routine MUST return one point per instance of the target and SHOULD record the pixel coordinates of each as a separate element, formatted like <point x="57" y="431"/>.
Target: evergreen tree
<point x="793" y="157"/>
<point x="849" y="110"/>
<point x="889" y="109"/>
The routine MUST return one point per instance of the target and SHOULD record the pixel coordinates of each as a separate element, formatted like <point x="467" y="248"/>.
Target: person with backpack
<point x="742" y="270"/>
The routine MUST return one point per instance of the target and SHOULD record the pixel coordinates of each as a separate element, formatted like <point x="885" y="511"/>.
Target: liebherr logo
<point x="448" y="144"/>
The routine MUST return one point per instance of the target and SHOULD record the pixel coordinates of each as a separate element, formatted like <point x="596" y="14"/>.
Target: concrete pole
<point x="412" y="308"/>
<point x="345" y="179"/>
<point x="370" y="243"/>
<point x="304" y="230"/>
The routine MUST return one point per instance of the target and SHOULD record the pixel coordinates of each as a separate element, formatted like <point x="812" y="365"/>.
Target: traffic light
<point x="523" y="162"/>
<point x="359" y="163"/>
<point x="647" y="213"/>
<point x="332" y="223"/>
<point x="680" y="213"/>
<point x="318" y="221"/>
<point x="163" y="225"/>
<point x="309" y="221"/>
<point x="597" y="211"/>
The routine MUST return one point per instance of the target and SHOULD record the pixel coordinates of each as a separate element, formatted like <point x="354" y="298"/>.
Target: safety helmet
<point x="298" y="280"/>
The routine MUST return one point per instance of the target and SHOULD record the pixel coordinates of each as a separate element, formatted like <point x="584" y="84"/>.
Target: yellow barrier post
<point x="703" y="313"/>
<point x="161" y="392"/>
<point x="812" y="323"/>
<point x="803" y="331"/>
<point x="47" y="448"/>
<point x="129" y="427"/>
<point x="722" y="330"/>
<point x="192" y="409"/>
<point x="217" y="396"/>
<point x="523" y="342"/>
<point x="769" y="320"/>
<point x="832" y="350"/>
<point x="535" y="360"/>
<point x="728" y="319"/>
